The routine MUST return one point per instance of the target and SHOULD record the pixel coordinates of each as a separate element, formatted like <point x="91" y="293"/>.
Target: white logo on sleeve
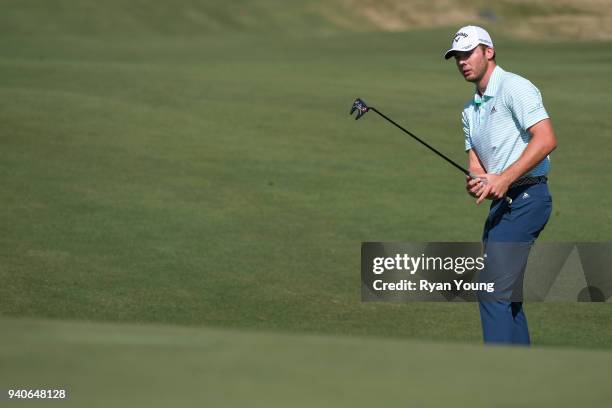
<point x="525" y="196"/>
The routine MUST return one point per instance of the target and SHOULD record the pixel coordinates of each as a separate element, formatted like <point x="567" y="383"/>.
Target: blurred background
<point x="184" y="197"/>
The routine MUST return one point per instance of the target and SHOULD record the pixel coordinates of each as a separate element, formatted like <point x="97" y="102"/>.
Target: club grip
<point x="484" y="180"/>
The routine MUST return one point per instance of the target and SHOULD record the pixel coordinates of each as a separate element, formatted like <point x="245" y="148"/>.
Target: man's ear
<point x="490" y="53"/>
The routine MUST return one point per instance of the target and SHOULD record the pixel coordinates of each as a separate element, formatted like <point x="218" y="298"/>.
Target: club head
<point x="360" y="106"/>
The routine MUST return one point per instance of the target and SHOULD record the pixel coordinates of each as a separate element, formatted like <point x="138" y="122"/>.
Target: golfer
<point x="508" y="137"/>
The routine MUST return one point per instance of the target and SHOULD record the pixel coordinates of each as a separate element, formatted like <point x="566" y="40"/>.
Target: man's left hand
<point x="495" y="187"/>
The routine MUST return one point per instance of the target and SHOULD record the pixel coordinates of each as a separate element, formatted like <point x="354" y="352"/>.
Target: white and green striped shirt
<point x="495" y="125"/>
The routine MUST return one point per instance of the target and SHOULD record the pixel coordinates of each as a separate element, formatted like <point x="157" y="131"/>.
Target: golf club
<point x="362" y="108"/>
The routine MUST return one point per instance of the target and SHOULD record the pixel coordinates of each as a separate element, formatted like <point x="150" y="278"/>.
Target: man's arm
<point x="543" y="141"/>
<point x="475" y="166"/>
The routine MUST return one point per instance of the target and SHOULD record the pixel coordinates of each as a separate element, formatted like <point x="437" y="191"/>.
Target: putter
<point x="362" y="108"/>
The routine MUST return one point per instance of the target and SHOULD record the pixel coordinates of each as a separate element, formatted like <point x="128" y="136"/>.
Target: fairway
<point x="104" y="365"/>
<point x="195" y="165"/>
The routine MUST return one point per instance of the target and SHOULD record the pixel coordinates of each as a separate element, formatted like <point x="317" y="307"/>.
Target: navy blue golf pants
<point x="509" y="231"/>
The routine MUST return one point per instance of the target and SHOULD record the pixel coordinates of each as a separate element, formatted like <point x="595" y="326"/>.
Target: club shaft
<point x="433" y="149"/>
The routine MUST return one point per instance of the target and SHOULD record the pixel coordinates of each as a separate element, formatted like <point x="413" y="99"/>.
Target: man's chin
<point x="470" y="78"/>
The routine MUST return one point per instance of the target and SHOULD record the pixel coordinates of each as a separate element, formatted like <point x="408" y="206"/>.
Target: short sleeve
<point x="466" y="130"/>
<point x="525" y="102"/>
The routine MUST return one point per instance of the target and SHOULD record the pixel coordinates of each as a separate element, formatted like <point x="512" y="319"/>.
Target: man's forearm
<point x="543" y="141"/>
<point x="474" y="164"/>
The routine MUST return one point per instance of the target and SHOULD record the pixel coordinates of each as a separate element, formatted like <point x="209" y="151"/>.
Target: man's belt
<point x="529" y="180"/>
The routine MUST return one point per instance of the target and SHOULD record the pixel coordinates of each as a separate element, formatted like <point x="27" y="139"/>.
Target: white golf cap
<point x="467" y="38"/>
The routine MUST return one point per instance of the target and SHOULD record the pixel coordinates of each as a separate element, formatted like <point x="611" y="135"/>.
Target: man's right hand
<point x="473" y="186"/>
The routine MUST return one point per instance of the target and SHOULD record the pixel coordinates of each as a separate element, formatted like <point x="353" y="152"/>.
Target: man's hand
<point x="473" y="186"/>
<point x="494" y="186"/>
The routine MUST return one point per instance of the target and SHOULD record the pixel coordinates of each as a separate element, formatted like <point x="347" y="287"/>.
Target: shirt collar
<point x="492" y="86"/>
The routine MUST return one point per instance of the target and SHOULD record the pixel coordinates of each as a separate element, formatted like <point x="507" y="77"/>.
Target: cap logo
<point x="459" y="34"/>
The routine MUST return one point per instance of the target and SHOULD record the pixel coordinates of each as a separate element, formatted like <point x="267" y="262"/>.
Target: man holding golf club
<point x="508" y="137"/>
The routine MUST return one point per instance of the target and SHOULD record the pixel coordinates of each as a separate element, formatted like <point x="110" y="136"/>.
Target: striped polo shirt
<point x="495" y="124"/>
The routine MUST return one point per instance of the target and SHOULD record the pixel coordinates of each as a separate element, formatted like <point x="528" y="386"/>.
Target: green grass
<point x="209" y="174"/>
<point x="104" y="365"/>
<point x="195" y="165"/>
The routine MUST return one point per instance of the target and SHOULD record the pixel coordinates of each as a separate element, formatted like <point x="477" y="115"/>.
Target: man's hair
<point x="484" y="48"/>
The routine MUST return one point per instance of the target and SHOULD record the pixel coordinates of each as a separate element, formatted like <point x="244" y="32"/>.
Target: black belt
<point x="529" y="180"/>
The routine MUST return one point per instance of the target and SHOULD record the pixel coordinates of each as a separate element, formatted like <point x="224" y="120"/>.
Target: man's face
<point x="473" y="64"/>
